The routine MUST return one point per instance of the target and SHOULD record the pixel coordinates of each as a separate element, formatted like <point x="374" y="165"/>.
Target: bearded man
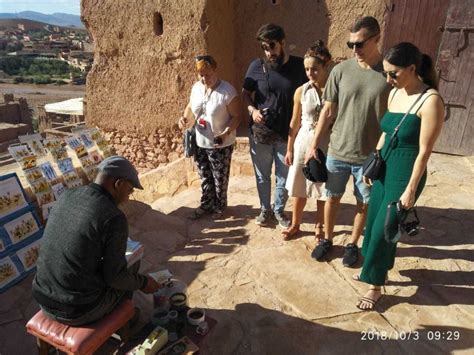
<point x="268" y="91"/>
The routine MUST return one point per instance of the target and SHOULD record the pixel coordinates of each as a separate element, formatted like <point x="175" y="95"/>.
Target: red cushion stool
<point x="83" y="339"/>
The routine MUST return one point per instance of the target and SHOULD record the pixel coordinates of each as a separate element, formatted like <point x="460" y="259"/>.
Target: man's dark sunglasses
<point x="267" y="46"/>
<point x="206" y="58"/>
<point x="393" y="74"/>
<point x="359" y="45"/>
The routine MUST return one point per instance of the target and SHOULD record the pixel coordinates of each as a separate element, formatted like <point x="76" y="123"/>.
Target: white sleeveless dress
<point x="296" y="184"/>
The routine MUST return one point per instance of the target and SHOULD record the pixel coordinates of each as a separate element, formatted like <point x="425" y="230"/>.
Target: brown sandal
<point x="289" y="233"/>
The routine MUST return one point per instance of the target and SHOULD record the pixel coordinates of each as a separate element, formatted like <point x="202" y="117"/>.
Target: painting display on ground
<point x="20" y="230"/>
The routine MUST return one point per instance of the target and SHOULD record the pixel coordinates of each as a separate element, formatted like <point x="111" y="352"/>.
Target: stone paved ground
<point x="270" y="297"/>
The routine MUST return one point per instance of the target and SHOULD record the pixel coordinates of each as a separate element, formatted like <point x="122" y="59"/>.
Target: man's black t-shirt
<point x="281" y="85"/>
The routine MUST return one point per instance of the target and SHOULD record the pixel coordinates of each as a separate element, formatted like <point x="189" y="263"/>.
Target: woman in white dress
<point x="307" y="105"/>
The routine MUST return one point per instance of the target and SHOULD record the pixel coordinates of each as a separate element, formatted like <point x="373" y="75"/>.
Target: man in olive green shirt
<point x="357" y="91"/>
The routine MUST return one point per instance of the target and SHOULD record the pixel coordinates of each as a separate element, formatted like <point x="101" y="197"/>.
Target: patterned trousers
<point x="214" y="167"/>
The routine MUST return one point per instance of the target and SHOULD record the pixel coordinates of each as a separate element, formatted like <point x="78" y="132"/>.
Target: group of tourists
<point x="298" y="107"/>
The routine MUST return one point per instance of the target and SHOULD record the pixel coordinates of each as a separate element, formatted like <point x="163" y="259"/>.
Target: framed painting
<point x="33" y="174"/>
<point x="73" y="142"/>
<point x="48" y="171"/>
<point x="58" y="190"/>
<point x="40" y="185"/>
<point x="70" y="176"/>
<point x="8" y="271"/>
<point x="29" y="255"/>
<point x="22" y="227"/>
<point x="58" y="153"/>
<point x="37" y="147"/>
<point x="86" y="161"/>
<point x="53" y="143"/>
<point x="44" y="197"/>
<point x="46" y="210"/>
<point x="74" y="183"/>
<point x="19" y="152"/>
<point x="12" y="196"/>
<point x="95" y="156"/>
<point x="91" y="172"/>
<point x="65" y="165"/>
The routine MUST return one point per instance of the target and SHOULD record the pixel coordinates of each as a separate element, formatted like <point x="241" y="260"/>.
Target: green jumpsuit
<point x="379" y="255"/>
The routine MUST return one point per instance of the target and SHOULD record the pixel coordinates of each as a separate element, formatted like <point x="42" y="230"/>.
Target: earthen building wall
<point x="144" y="55"/>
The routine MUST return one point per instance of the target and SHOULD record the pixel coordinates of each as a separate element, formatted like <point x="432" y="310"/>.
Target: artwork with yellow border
<point x="81" y="151"/>
<point x="11" y="196"/>
<point x="74" y="183"/>
<point x="70" y="176"/>
<point x="29" y="255"/>
<point x="54" y="143"/>
<point x="19" y="152"/>
<point x="22" y="227"/>
<point x="58" y="153"/>
<point x="45" y="197"/>
<point x="36" y="147"/>
<point x="8" y="271"/>
<point x="33" y="174"/>
<point x="86" y="161"/>
<point x="40" y="185"/>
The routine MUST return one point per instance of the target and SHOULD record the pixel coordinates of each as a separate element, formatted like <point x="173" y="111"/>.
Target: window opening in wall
<point x="157" y="24"/>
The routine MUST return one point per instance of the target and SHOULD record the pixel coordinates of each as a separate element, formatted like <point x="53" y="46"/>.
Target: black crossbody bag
<point x="374" y="164"/>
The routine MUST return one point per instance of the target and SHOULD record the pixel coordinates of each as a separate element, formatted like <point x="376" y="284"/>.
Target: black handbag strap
<point x="395" y="131"/>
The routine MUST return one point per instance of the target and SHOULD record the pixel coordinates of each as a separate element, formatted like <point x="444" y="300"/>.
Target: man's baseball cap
<point x="119" y="167"/>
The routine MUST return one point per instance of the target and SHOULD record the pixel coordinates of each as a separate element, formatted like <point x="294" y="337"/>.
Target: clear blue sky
<point x="44" y="6"/>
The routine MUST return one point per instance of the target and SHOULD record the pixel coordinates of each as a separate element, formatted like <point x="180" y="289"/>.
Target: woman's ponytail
<point x="426" y="71"/>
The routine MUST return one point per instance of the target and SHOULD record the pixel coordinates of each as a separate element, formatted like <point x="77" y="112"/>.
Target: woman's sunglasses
<point x="267" y="46"/>
<point x="392" y="74"/>
<point x="206" y="58"/>
<point x="359" y="45"/>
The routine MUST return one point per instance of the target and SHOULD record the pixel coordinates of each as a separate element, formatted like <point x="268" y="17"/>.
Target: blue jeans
<point x="263" y="156"/>
<point x="338" y="175"/>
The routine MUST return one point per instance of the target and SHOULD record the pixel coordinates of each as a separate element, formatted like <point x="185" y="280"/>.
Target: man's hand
<point x="257" y="117"/>
<point x="151" y="285"/>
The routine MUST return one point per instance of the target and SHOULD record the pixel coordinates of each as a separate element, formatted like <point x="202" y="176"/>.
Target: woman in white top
<point x="214" y="106"/>
<point x="307" y="105"/>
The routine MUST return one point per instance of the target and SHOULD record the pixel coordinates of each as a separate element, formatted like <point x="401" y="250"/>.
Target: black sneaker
<point x="351" y="255"/>
<point x="321" y="249"/>
<point x="264" y="218"/>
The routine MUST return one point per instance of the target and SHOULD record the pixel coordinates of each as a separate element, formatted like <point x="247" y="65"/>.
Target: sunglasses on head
<point x="393" y="74"/>
<point x="267" y="46"/>
<point x="359" y="45"/>
<point x="206" y="58"/>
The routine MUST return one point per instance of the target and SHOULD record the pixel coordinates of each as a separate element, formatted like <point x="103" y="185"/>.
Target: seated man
<point x="82" y="271"/>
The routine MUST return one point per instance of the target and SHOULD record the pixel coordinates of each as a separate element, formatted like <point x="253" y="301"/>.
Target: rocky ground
<point x="270" y="297"/>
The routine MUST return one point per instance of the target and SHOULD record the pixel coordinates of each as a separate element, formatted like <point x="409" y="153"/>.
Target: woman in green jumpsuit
<point x="412" y="76"/>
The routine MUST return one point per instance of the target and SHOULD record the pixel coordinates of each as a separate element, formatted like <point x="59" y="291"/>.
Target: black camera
<point x="409" y="222"/>
<point x="218" y="140"/>
<point x="411" y="228"/>
<point x="270" y="116"/>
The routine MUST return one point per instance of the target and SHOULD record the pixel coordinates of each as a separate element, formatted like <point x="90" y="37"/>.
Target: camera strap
<point x="397" y="128"/>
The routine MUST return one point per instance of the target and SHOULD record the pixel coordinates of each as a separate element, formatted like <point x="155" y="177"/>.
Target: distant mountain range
<point x="58" y="18"/>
